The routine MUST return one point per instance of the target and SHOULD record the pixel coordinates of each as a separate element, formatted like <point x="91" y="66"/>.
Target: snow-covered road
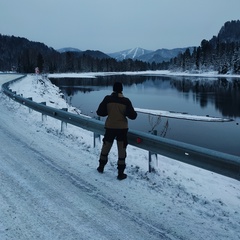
<point x="43" y="197"/>
<point x="50" y="189"/>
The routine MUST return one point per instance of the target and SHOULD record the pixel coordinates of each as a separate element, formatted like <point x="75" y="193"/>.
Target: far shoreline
<point x="212" y="74"/>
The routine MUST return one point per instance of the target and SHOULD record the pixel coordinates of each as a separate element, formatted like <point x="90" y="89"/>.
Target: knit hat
<point x="117" y="87"/>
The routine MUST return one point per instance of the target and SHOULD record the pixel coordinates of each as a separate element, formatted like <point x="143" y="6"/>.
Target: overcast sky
<point x="115" y="25"/>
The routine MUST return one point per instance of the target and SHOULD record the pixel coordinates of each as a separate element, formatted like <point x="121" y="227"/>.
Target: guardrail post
<point x="150" y="155"/>
<point x="63" y="124"/>
<point x="96" y="136"/>
<point x="14" y="92"/>
<point x="30" y="109"/>
<point x="10" y="95"/>
<point x="44" y="116"/>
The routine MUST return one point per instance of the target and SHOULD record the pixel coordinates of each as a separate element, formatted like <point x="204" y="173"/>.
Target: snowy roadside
<point x="183" y="201"/>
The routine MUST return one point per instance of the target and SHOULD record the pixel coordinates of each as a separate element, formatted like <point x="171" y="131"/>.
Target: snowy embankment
<point x="50" y="189"/>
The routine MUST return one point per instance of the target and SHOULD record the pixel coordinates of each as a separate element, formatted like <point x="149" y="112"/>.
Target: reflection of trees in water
<point x="230" y="105"/>
<point x="205" y="85"/>
<point x="71" y="86"/>
<point x="70" y="91"/>
<point x="224" y="94"/>
<point x="101" y="80"/>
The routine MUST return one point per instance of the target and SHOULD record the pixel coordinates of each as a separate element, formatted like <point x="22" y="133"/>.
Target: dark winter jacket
<point x="118" y="108"/>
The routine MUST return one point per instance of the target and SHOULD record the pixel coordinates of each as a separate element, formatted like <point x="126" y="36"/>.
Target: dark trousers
<point x="121" y="136"/>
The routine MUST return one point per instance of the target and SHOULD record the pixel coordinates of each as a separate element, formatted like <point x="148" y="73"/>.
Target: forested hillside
<point x="221" y="53"/>
<point x="21" y="55"/>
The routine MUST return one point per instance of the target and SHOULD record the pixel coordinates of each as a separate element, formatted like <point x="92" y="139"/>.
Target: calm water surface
<point x="218" y="97"/>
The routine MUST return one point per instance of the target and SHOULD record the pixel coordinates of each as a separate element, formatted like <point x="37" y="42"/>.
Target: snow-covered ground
<point x="50" y="189"/>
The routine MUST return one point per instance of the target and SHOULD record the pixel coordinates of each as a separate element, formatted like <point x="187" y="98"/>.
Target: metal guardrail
<point x="221" y="163"/>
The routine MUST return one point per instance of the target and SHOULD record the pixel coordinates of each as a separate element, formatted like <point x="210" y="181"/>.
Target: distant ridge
<point x="150" y="56"/>
<point x="92" y="53"/>
<point x="68" y="49"/>
<point x="95" y="54"/>
<point x="137" y="53"/>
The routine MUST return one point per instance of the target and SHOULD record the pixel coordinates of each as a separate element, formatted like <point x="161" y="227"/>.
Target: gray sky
<point x="115" y="25"/>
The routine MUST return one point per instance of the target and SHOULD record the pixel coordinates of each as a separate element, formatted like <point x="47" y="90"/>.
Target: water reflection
<point x="222" y="93"/>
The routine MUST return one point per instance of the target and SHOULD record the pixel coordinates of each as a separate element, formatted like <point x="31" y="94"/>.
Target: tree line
<point x="221" y="53"/>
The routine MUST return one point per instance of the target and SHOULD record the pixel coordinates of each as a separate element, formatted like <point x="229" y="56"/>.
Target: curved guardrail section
<point x="221" y="163"/>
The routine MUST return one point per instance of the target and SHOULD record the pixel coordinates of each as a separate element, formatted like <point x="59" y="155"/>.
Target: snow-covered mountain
<point x="134" y="53"/>
<point x="137" y="53"/>
<point x="161" y="55"/>
<point x="157" y="56"/>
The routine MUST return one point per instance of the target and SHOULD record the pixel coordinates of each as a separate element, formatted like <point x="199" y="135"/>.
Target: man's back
<point x="117" y="108"/>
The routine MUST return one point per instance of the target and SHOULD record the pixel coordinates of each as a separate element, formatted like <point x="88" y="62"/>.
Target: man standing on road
<point x="117" y="108"/>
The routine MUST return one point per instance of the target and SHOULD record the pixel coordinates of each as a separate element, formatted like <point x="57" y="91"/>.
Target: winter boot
<point x="101" y="166"/>
<point x="121" y="174"/>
